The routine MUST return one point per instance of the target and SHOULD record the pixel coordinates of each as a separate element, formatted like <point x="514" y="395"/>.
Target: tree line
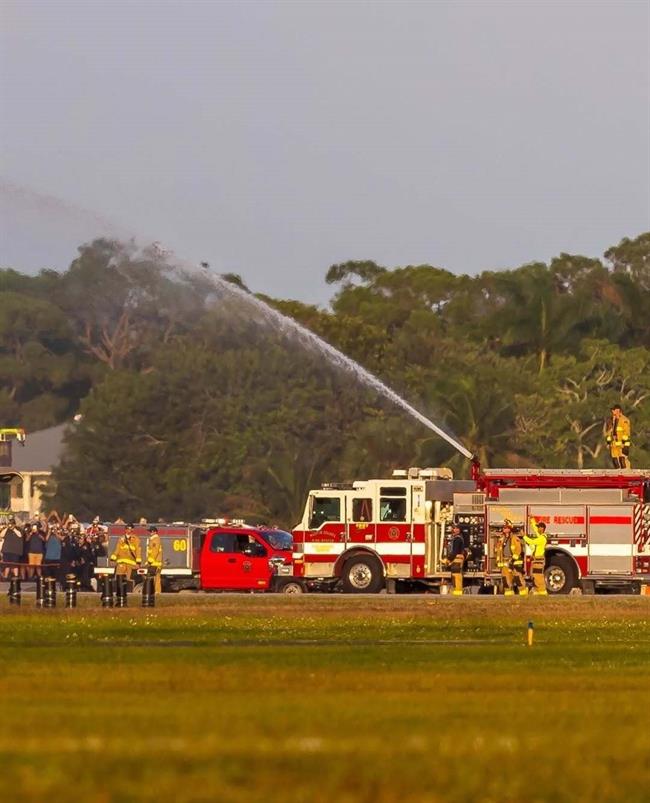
<point x="192" y="405"/>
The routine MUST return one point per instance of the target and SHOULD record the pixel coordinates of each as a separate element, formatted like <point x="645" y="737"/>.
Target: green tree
<point x="40" y="371"/>
<point x="123" y="300"/>
<point x="562" y="424"/>
<point x="538" y="314"/>
<point x="202" y="427"/>
<point x="198" y="407"/>
<point x="629" y="288"/>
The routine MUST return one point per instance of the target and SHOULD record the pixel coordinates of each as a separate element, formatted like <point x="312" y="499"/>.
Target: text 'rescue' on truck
<point x="216" y="557"/>
<point x="390" y="533"/>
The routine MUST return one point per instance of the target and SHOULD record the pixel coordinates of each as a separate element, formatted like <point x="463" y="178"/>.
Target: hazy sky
<point x="276" y="138"/>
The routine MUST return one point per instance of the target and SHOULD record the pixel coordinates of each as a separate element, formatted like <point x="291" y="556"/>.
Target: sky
<point x="273" y="139"/>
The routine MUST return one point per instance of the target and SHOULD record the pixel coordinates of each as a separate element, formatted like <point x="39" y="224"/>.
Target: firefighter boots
<point x="457" y="575"/>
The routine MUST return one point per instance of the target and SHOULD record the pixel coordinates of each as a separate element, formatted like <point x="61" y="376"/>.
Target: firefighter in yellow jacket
<point x="127" y="553"/>
<point x="537" y="542"/>
<point x="510" y="556"/>
<point x="519" y="565"/>
<point x="617" y="433"/>
<point x="456" y="559"/>
<point x="155" y="557"/>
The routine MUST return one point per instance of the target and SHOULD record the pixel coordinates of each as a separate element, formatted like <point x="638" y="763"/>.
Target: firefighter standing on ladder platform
<point x="456" y="560"/>
<point x="537" y="543"/>
<point x="617" y="433"/>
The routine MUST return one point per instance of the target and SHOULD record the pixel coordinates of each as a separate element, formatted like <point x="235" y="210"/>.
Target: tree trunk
<point x="543" y="359"/>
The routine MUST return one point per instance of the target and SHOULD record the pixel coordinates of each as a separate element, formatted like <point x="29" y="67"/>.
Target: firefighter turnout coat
<point x="127" y="554"/>
<point x="509" y="550"/>
<point x="154" y="552"/>
<point x="510" y="560"/>
<point x="618" y="433"/>
<point x="537" y="542"/>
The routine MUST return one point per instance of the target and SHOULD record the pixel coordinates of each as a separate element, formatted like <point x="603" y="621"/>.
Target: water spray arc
<point x="285" y="324"/>
<point x="49" y="204"/>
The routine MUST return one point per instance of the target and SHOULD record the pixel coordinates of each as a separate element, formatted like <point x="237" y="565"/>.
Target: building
<point x="33" y="464"/>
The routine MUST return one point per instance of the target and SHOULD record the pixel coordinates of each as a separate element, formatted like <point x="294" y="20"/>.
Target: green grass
<point x="259" y="698"/>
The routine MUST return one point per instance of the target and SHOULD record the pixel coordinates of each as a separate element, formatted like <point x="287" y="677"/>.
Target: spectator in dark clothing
<point x="92" y="547"/>
<point x="35" y="543"/>
<point x="24" y="559"/>
<point x="87" y="563"/>
<point x="12" y="549"/>
<point x="99" y="547"/>
<point x="70" y="557"/>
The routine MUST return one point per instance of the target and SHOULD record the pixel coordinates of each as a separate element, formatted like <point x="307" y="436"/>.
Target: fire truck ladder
<point x="585" y="473"/>
<point x="564" y="477"/>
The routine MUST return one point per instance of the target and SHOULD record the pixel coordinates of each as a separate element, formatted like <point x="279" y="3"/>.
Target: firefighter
<point x="456" y="559"/>
<point x="155" y="557"/>
<point x="537" y="543"/>
<point x="519" y="564"/>
<point x="510" y="559"/>
<point x="127" y="553"/>
<point x="617" y="433"/>
<point x="504" y="557"/>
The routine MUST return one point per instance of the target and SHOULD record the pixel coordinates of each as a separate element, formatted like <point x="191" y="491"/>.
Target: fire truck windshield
<point x="278" y="539"/>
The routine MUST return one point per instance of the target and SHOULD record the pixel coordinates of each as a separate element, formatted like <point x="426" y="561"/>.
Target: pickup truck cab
<point x="247" y="559"/>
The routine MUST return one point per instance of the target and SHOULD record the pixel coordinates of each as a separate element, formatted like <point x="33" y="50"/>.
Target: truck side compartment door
<point x="176" y="548"/>
<point x="611" y="539"/>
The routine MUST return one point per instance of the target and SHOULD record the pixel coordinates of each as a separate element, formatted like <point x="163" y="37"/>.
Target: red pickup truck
<point x="228" y="557"/>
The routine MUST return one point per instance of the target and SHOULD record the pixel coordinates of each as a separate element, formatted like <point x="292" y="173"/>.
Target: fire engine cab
<point x="367" y="534"/>
<point x="393" y="533"/>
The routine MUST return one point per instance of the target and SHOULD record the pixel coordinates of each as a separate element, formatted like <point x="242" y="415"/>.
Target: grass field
<point x="326" y="698"/>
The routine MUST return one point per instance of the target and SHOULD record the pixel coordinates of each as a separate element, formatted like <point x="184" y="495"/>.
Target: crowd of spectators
<point x="52" y="548"/>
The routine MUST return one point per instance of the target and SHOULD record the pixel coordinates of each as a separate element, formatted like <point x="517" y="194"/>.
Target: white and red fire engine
<point x="392" y="533"/>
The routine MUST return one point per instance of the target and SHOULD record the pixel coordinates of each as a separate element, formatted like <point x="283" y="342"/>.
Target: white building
<point x="34" y="463"/>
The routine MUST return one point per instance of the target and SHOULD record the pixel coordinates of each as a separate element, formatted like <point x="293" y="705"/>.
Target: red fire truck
<point x="597" y="522"/>
<point x="211" y="556"/>
<point x="392" y="533"/>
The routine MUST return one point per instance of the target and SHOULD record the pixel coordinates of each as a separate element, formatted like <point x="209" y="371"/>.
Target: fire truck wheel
<point x="362" y="575"/>
<point x="560" y="574"/>
<point x="292" y="588"/>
